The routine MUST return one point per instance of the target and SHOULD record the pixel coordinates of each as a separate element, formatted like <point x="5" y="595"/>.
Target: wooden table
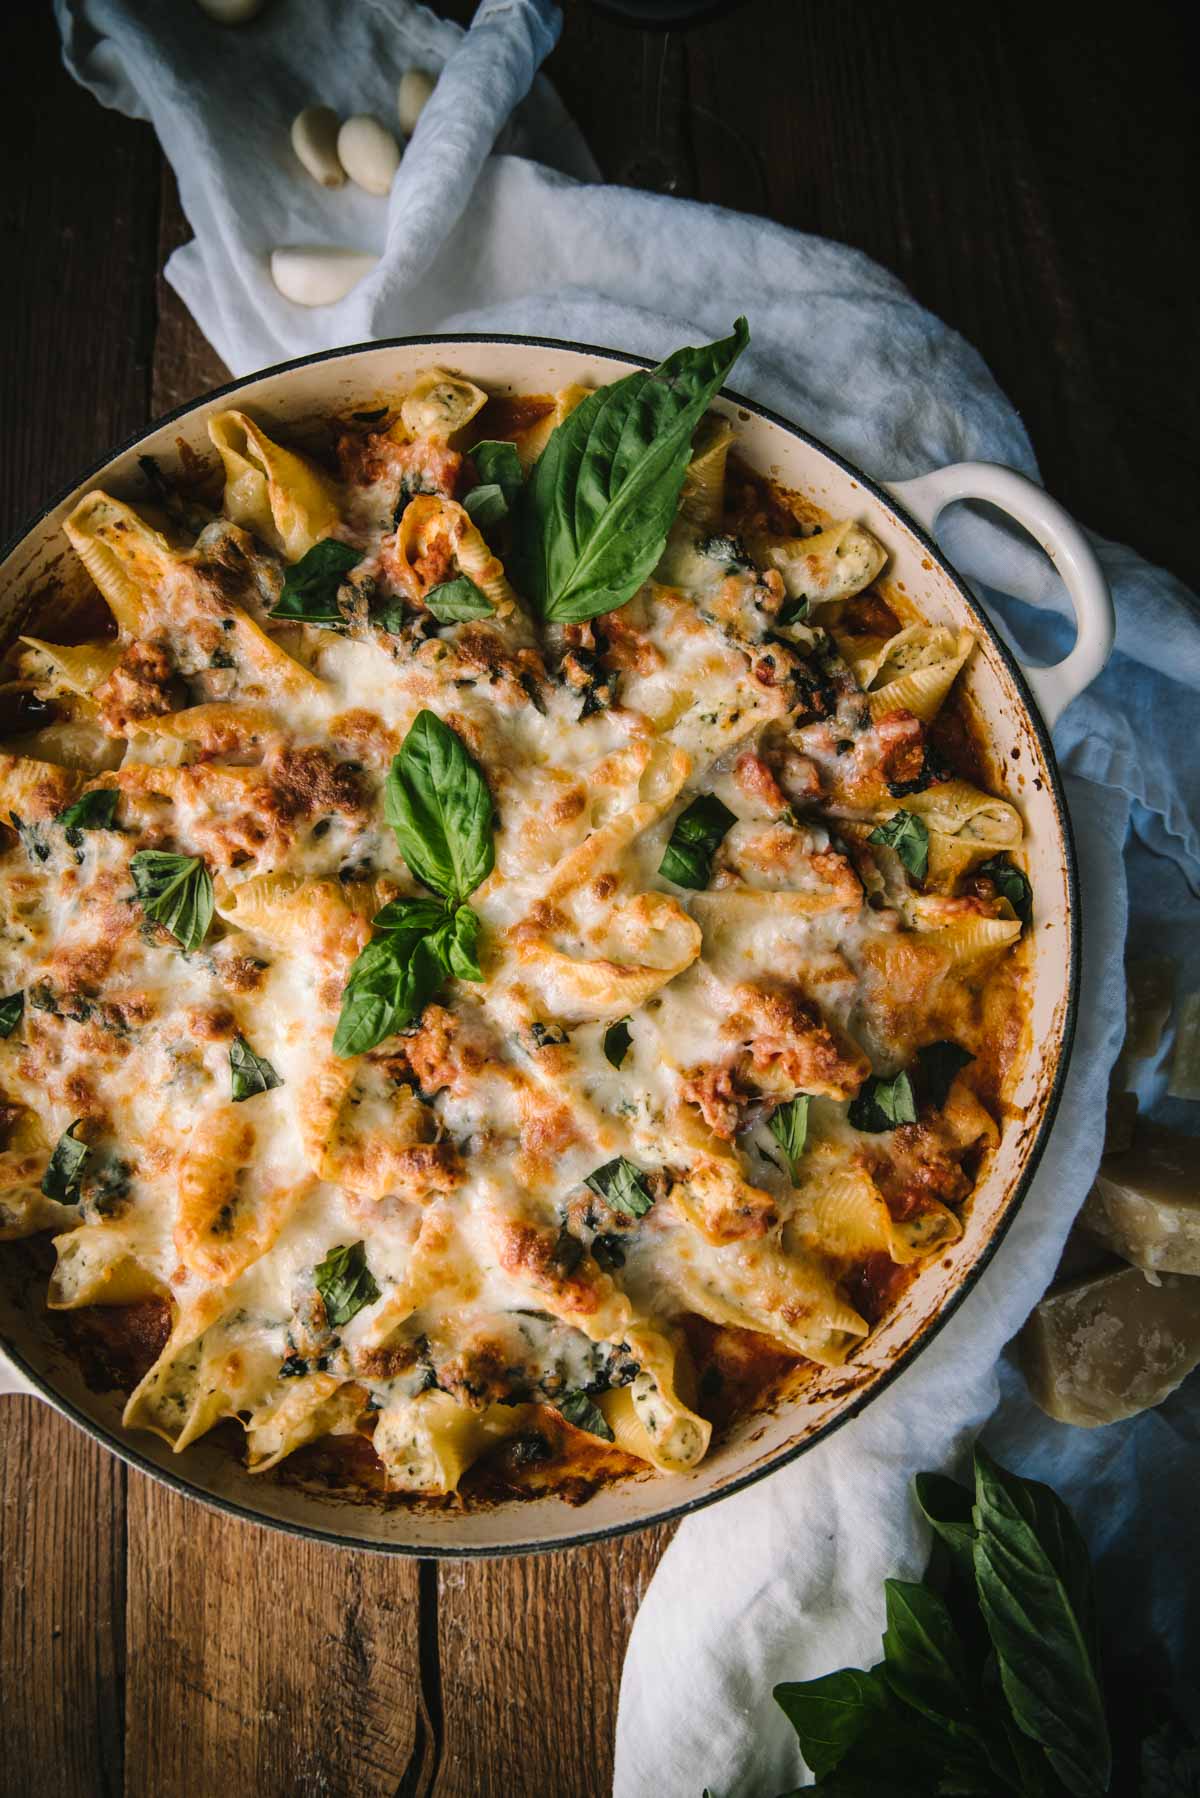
<point x="1029" y="171"/>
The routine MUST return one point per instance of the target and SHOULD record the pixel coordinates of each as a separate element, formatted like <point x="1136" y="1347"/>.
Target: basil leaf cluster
<point x="437" y="802"/>
<point x="592" y="520"/>
<point x="990" y="1680"/>
<point x="500" y="483"/>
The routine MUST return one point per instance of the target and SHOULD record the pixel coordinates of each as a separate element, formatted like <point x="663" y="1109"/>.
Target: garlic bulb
<point x="369" y="153"/>
<point x="318" y="274"/>
<point x="412" y="96"/>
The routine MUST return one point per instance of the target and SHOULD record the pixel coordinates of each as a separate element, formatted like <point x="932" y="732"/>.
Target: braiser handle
<point x="1056" y="531"/>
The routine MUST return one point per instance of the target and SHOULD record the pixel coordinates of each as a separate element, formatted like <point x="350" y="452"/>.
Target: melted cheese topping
<point x="457" y="1154"/>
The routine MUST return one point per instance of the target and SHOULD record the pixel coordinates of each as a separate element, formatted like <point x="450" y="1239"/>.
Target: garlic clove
<point x="412" y="96"/>
<point x="318" y="274"/>
<point x="231" y="12"/>
<point x="369" y="153"/>
<point x="314" y="139"/>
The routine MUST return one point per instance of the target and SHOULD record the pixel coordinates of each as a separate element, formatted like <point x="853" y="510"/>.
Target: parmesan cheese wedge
<point x="1111" y="1345"/>
<point x="1145" y="1203"/>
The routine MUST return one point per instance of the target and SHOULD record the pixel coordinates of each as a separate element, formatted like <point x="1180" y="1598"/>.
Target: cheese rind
<point x="1145" y="1204"/>
<point x="1111" y="1345"/>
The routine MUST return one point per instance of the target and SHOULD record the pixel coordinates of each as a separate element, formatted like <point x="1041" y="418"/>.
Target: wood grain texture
<point x="260" y="1664"/>
<point x="1030" y="173"/>
<point x="531" y="1654"/>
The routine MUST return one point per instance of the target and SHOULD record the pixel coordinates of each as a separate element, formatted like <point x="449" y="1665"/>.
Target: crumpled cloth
<point x="784" y="1580"/>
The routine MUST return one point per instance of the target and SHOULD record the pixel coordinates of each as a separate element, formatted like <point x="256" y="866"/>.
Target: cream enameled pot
<point x="39" y="577"/>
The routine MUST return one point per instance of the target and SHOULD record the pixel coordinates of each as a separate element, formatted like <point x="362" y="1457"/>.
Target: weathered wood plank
<point x="531" y="1653"/>
<point x="75" y="324"/>
<point x="259" y="1663"/>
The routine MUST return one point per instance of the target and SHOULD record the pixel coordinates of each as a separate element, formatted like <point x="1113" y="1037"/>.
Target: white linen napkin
<point x="785" y="1580"/>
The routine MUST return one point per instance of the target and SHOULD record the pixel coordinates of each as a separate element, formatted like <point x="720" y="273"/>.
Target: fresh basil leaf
<point x="883" y="1104"/>
<point x="410" y="917"/>
<point x="499" y="465"/>
<point x="486" y="504"/>
<point x="948" y="1506"/>
<point x="439" y="806"/>
<point x="578" y="1409"/>
<point x="831" y="1714"/>
<point x="455" y="942"/>
<point x="905" y="832"/>
<point x="622" y="1185"/>
<point x="1011" y="884"/>
<point x="1034" y="1585"/>
<point x="310" y="586"/>
<point x="64" y="1171"/>
<point x="593" y="518"/>
<point x="388" y="987"/>
<point x="937" y="1066"/>
<point x="924" y="1663"/>
<point x="345" y="1283"/>
<point x="91" y="811"/>
<point x="699" y="831"/>
<point x="390" y="615"/>
<point x="457" y="600"/>
<point x="250" y="1074"/>
<point x="12" y="1010"/>
<point x="617" y="1039"/>
<point x="788" y="1124"/>
<point x="176" y="891"/>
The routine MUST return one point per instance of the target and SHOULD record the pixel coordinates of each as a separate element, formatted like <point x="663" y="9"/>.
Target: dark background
<point x="1030" y="172"/>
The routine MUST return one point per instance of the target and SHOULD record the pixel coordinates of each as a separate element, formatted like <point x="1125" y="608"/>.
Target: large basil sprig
<point x="990" y="1678"/>
<point x="437" y="801"/>
<point x="592" y="520"/>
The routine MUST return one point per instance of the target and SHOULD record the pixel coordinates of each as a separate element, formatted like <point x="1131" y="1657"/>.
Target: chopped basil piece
<point x="592" y="521"/>
<point x="607" y="1251"/>
<point x="175" y="891"/>
<point x="293" y="1367"/>
<point x="12" y="1010"/>
<point x="64" y="1171"/>
<point x="730" y="552"/>
<point x="1011" y="884"/>
<point x="390" y="616"/>
<point x="937" y="1065"/>
<point x="617" y="1039"/>
<point x="91" y="811"/>
<point x="905" y="832"/>
<point x="883" y="1104"/>
<point x="310" y="586"/>
<point x="32" y="841"/>
<point x="792" y="611"/>
<point x="345" y="1283"/>
<point x="437" y="802"/>
<point x="788" y="1124"/>
<point x="623" y="1186"/>
<point x="699" y="831"/>
<point x="250" y="1074"/>
<point x="578" y="1409"/>
<point x="454" y="601"/>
